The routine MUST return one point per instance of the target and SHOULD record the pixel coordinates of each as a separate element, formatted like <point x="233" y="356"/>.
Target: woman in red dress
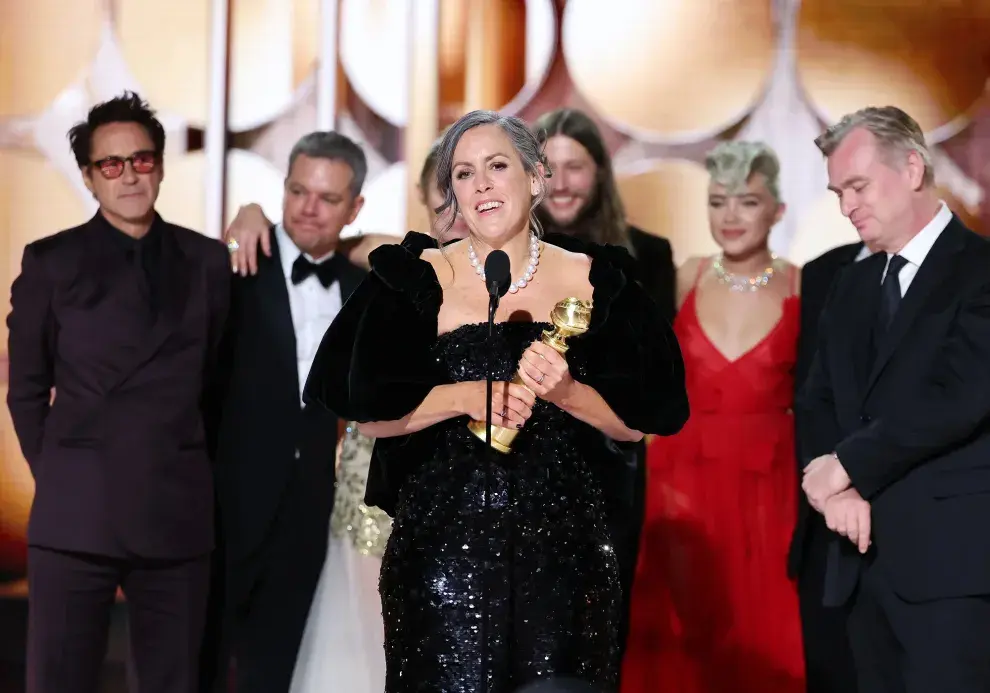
<point x="713" y="610"/>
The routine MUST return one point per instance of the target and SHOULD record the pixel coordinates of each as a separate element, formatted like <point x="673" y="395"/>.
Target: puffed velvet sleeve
<point x="630" y="355"/>
<point x="376" y="361"/>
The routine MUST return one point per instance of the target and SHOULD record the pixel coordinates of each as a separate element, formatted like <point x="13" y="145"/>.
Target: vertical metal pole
<point x="424" y="100"/>
<point x="326" y="73"/>
<point x="215" y="144"/>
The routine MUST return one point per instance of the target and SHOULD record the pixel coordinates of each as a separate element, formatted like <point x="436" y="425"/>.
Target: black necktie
<point x="326" y="271"/>
<point x="890" y="293"/>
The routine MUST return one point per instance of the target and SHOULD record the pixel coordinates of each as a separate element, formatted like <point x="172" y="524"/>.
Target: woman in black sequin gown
<point x="499" y="569"/>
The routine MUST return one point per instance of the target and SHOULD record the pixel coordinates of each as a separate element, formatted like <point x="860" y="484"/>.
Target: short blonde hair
<point x="732" y="163"/>
<point x="895" y="130"/>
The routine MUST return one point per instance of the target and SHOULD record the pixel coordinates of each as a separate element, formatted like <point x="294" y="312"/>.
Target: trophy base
<point x="501" y="437"/>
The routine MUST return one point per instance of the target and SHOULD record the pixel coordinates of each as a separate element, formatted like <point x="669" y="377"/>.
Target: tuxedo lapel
<point x="176" y="280"/>
<point x="934" y="273"/>
<point x="273" y="300"/>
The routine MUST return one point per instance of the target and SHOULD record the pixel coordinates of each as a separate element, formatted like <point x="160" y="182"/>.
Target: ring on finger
<point x="539" y="381"/>
<point x="232" y="245"/>
<point x="504" y="412"/>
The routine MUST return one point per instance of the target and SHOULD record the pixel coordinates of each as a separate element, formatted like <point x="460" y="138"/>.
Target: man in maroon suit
<point x="122" y="317"/>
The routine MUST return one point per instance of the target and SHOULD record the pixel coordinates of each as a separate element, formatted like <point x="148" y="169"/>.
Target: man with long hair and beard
<point x="584" y="201"/>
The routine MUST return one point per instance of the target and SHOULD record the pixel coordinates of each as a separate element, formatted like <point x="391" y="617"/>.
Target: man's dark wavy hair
<point x="126" y="108"/>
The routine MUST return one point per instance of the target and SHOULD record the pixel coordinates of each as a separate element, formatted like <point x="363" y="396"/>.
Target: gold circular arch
<point x="46" y="46"/>
<point x="931" y="59"/>
<point x="669" y="70"/>
<point x="273" y="49"/>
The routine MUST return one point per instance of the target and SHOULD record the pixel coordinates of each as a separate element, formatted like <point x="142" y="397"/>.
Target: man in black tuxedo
<point x="895" y="419"/>
<point x="122" y="316"/>
<point x="276" y="457"/>
<point x="828" y="661"/>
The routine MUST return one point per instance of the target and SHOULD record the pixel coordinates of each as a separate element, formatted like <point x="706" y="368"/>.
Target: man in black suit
<point x="828" y="661"/>
<point x="276" y="457"/>
<point x="896" y="419"/>
<point x="122" y="316"/>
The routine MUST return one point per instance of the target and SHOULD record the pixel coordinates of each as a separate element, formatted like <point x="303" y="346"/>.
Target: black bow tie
<point x="326" y="271"/>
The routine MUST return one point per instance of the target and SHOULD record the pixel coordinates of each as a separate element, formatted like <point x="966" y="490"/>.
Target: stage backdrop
<point x="237" y="82"/>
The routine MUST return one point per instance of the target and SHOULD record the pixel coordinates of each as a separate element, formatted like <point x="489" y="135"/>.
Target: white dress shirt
<point x="917" y="248"/>
<point x="313" y="307"/>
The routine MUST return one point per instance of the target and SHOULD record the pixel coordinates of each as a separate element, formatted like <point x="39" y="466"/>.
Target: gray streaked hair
<point x="895" y="131"/>
<point x="335" y="147"/>
<point x="523" y="141"/>
<point x="732" y="163"/>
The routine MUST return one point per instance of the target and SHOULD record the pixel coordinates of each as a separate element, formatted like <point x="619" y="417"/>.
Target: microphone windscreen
<point x="497" y="274"/>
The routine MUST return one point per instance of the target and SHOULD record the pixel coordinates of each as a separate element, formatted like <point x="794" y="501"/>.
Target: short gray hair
<point x="523" y="141"/>
<point x="895" y="131"/>
<point x="732" y="163"/>
<point x="336" y="147"/>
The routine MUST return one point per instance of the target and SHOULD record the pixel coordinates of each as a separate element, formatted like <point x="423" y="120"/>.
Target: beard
<point x="584" y="226"/>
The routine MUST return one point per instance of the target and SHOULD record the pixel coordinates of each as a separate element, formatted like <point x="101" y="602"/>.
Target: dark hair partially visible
<point x="523" y="141"/>
<point x="335" y="147"/>
<point x="606" y="217"/>
<point x="126" y="108"/>
<point x="430" y="165"/>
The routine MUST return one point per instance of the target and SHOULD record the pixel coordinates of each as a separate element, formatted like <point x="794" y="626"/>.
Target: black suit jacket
<point x="817" y="277"/>
<point x="655" y="269"/>
<point x="264" y="432"/>
<point x="120" y="458"/>
<point x="913" y="429"/>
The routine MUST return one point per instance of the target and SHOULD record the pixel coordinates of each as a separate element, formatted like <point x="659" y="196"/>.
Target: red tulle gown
<point x="713" y="610"/>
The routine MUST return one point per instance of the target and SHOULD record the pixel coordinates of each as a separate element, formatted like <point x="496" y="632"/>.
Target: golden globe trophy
<point x="571" y="317"/>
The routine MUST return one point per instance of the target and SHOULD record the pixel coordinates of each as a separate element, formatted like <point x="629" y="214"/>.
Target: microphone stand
<point x="493" y="300"/>
<point x="496" y="273"/>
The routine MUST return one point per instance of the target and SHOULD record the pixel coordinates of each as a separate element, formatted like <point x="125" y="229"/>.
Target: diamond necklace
<point x="534" y="260"/>
<point x="737" y="283"/>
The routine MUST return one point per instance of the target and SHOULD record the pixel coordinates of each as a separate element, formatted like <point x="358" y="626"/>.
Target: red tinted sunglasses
<point x="113" y="166"/>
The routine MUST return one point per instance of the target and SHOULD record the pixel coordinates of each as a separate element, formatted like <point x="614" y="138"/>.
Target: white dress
<point x="343" y="645"/>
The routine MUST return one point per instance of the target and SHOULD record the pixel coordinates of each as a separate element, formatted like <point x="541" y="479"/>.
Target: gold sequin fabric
<point x="368" y="528"/>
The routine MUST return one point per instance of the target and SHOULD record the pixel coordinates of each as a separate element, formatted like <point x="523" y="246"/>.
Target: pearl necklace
<point x="737" y="283"/>
<point x="534" y="260"/>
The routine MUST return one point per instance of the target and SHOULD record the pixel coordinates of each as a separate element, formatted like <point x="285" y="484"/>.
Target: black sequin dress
<point x="499" y="570"/>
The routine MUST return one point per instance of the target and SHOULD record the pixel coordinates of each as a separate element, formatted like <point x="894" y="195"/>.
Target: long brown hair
<point x="603" y="220"/>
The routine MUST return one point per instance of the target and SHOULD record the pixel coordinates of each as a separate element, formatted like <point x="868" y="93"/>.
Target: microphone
<point x="497" y="275"/>
<point x="497" y="279"/>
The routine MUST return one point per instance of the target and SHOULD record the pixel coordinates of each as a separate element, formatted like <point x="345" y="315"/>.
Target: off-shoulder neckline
<point x="401" y="268"/>
<point x="500" y="325"/>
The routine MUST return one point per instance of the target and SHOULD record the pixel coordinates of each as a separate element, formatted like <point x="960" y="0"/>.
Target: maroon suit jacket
<point x="121" y="458"/>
